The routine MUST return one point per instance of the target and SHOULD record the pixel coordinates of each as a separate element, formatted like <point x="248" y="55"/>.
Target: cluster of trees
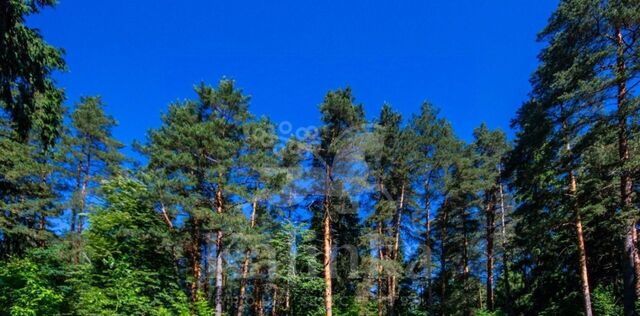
<point x="219" y="213"/>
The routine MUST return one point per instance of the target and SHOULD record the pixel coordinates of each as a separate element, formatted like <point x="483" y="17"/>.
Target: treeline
<point x="223" y="212"/>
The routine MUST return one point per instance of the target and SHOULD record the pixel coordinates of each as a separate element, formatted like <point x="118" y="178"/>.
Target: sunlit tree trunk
<point x="83" y="190"/>
<point x="194" y="258"/>
<point x="327" y="244"/>
<point x="245" y="263"/>
<point x="582" y="252"/>
<point x="396" y="248"/>
<point x="219" y="285"/>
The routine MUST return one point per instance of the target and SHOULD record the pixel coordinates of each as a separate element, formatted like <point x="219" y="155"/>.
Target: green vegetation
<point x="394" y="216"/>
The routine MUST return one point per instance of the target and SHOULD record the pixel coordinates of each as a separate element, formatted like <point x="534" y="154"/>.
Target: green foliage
<point x="415" y="205"/>
<point x="26" y="289"/>
<point x="27" y="91"/>
<point x="484" y="312"/>
<point x="131" y="271"/>
<point x="605" y="302"/>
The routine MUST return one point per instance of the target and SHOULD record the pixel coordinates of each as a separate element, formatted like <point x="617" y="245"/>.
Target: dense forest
<point x="220" y="212"/>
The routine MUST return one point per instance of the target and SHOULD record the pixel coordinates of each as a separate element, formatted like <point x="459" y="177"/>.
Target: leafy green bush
<point x="605" y="302"/>
<point x="26" y="291"/>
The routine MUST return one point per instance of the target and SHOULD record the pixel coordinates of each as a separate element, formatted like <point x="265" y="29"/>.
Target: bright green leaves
<point x="25" y="289"/>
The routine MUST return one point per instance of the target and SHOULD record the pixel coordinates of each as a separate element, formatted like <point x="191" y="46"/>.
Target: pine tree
<point x="457" y="228"/>
<point x="490" y="147"/>
<point x="262" y="180"/>
<point x="434" y="141"/>
<point x="388" y="159"/>
<point x="197" y="149"/>
<point x="334" y="214"/>
<point x="603" y="38"/>
<point x="91" y="155"/>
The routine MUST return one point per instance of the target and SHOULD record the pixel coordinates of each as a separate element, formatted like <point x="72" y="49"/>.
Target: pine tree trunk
<point x="505" y="257"/>
<point x="219" y="286"/>
<point x="631" y="268"/>
<point x="381" y="257"/>
<point x="206" y="282"/>
<point x="42" y="223"/>
<point x="327" y="244"/>
<point x="327" y="263"/>
<point x="274" y="305"/>
<point x="396" y="248"/>
<point x="245" y="263"/>
<point x="427" y="241"/>
<point x="465" y="267"/>
<point x="83" y="191"/>
<point x="165" y="216"/>
<point x="258" y="306"/>
<point x="74" y="209"/>
<point x="287" y="301"/>
<point x="443" y="259"/>
<point x="584" y="275"/>
<point x="42" y="229"/>
<point x="194" y="255"/>
<point x="490" y="216"/>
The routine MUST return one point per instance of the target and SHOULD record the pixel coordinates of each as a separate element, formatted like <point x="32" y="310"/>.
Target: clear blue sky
<point x="471" y="58"/>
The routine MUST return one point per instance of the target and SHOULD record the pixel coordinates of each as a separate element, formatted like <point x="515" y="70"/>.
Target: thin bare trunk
<point x="219" y="285"/>
<point x="327" y="244"/>
<point x="396" y="248"/>
<point x="194" y="257"/>
<point x="465" y="266"/>
<point x="505" y="257"/>
<point x="381" y="258"/>
<point x="245" y="263"/>
<point x="490" y="226"/>
<point x="287" y="301"/>
<point x="74" y="209"/>
<point x="206" y="282"/>
<point x="165" y="216"/>
<point x="274" y="306"/>
<point x="427" y="240"/>
<point x="584" y="275"/>
<point x="83" y="190"/>
<point x="42" y="229"/>
<point x="443" y="259"/>
<point x="42" y="223"/>
<point x="258" y="305"/>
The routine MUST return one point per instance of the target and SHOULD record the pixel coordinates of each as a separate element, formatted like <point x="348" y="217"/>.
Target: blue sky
<point x="471" y="58"/>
